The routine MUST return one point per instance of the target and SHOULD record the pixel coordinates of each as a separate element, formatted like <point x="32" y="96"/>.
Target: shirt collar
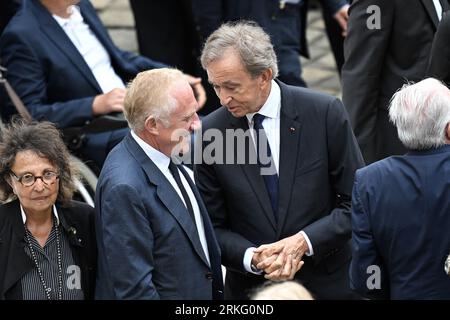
<point x="271" y="108"/>
<point x="24" y="217"/>
<point x="159" y="159"/>
<point x="75" y="17"/>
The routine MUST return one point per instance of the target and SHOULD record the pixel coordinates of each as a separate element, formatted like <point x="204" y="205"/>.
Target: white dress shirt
<point x="162" y="162"/>
<point x="271" y="124"/>
<point x="438" y="7"/>
<point x="91" y="49"/>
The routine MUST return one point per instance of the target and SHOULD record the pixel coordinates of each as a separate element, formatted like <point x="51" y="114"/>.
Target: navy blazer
<point x="47" y="71"/>
<point x="148" y="244"/>
<point x="318" y="158"/>
<point x="401" y="224"/>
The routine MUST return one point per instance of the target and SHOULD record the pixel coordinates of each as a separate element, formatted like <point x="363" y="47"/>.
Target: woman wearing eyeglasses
<point x="47" y="241"/>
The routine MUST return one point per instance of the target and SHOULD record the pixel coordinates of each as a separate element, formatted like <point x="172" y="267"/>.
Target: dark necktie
<point x="174" y="171"/>
<point x="214" y="254"/>
<point x="270" y="180"/>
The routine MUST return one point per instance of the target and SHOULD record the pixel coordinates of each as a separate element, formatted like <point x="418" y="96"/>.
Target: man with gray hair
<point x="269" y="223"/>
<point x="155" y="239"/>
<point x="401" y="205"/>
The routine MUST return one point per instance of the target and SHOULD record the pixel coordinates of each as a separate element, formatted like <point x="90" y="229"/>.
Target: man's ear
<point x="151" y="125"/>
<point x="266" y="76"/>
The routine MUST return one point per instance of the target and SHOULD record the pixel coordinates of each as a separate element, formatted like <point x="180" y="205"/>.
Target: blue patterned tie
<point x="270" y="180"/>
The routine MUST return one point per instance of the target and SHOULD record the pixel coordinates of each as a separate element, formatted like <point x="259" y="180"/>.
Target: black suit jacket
<point x="379" y="61"/>
<point x="14" y="262"/>
<point x="440" y="52"/>
<point x="318" y="158"/>
<point x="167" y="32"/>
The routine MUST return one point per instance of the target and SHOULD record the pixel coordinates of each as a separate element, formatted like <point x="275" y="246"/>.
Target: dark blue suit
<point x="401" y="223"/>
<point x="48" y="72"/>
<point x="148" y="244"/>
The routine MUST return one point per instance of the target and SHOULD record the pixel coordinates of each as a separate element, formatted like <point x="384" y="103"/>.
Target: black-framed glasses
<point x="28" y="179"/>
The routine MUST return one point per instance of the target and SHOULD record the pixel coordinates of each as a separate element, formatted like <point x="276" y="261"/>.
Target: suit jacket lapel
<point x="18" y="261"/>
<point x="431" y="10"/>
<point x="290" y="133"/>
<point x="57" y="35"/>
<point x="167" y="194"/>
<point x="213" y="245"/>
<point x="253" y="174"/>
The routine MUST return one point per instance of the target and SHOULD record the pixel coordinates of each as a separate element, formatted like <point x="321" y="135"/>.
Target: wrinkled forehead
<point x="228" y="69"/>
<point x="31" y="159"/>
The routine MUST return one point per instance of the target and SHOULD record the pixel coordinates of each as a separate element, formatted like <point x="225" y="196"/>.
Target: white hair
<point x="421" y="112"/>
<point x="148" y="95"/>
<point x="286" y="290"/>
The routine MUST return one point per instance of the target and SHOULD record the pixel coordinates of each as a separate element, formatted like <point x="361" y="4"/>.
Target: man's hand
<point x="291" y="267"/>
<point x="109" y="102"/>
<point x="199" y="91"/>
<point x="282" y="259"/>
<point x="263" y="258"/>
<point x="341" y="17"/>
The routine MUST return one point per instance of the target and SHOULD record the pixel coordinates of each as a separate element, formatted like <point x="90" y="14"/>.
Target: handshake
<point x="281" y="260"/>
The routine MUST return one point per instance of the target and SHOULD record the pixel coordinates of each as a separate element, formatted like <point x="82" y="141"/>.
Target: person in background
<point x="439" y="66"/>
<point x="284" y="20"/>
<point x="66" y="69"/>
<point x="388" y="42"/>
<point x="167" y="30"/>
<point x="401" y="204"/>
<point x="48" y="248"/>
<point x="336" y="30"/>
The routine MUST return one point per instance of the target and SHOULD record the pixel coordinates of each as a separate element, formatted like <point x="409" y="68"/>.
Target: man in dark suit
<point x="401" y="205"/>
<point x="439" y="66"/>
<point x="299" y="206"/>
<point x="167" y="31"/>
<point x="388" y="43"/>
<point x="154" y="234"/>
<point x="66" y="69"/>
<point x="284" y="21"/>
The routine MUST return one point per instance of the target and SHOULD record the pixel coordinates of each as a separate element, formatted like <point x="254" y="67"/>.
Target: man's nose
<point x="224" y="98"/>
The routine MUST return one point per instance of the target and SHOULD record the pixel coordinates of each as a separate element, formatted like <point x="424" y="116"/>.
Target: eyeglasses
<point x="28" y="179"/>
